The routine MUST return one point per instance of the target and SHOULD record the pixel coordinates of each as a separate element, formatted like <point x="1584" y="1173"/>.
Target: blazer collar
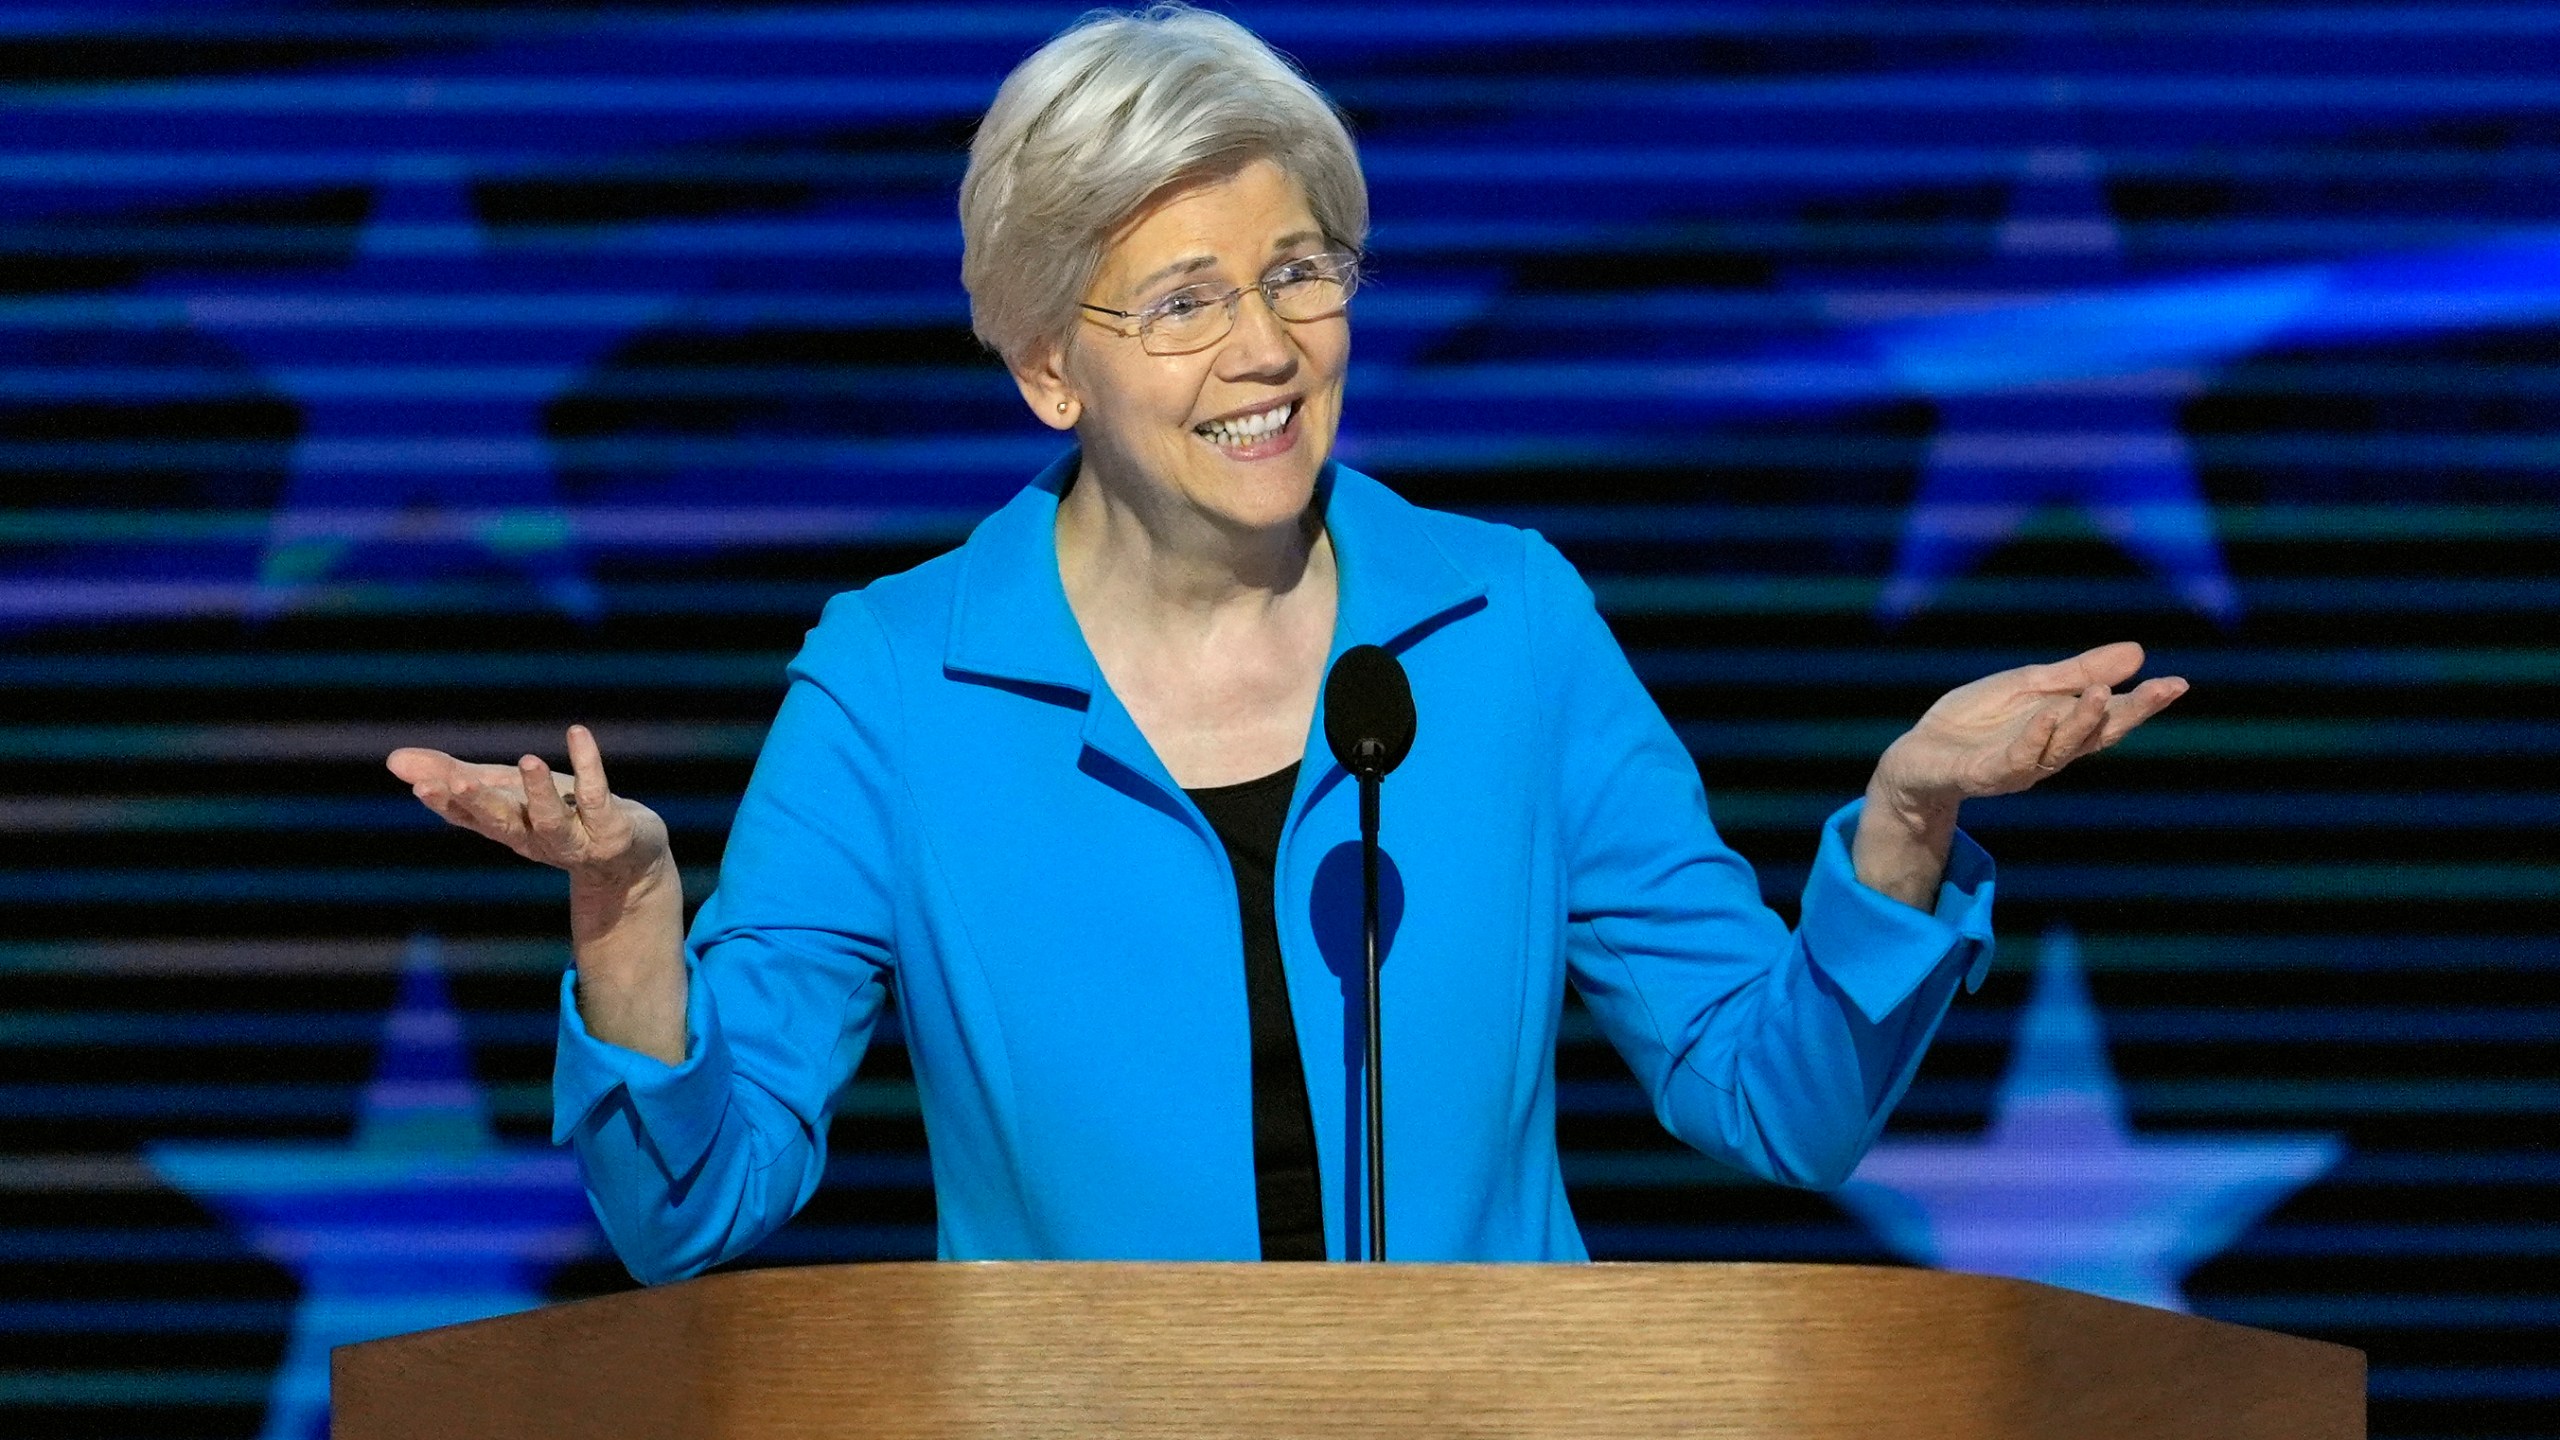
<point x="1393" y="580"/>
<point x="1010" y="620"/>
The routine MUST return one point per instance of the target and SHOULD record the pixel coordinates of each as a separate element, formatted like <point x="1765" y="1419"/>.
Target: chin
<point x="1256" y="494"/>
<point x="1262" y="504"/>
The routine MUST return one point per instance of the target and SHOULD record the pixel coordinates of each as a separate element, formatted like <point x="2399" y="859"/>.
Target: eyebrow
<point x="1210" y="262"/>
<point x="1178" y="267"/>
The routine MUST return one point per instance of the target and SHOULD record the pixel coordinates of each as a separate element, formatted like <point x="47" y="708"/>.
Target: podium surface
<point x="1774" y="1352"/>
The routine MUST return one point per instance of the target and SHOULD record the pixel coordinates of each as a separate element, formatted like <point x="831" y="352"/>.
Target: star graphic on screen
<point x="424" y="1219"/>
<point x="2110" y="444"/>
<point x="2061" y="1189"/>
<point x="422" y="371"/>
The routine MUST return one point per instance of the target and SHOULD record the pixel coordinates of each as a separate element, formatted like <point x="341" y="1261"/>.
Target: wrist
<point x="1922" y="810"/>
<point x="1902" y="841"/>
<point x="601" y="899"/>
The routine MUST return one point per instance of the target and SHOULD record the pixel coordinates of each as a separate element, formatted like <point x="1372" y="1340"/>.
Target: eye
<point x="1184" y="304"/>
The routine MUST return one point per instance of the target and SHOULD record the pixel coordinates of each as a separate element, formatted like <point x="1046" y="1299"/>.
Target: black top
<point x="1287" y="1192"/>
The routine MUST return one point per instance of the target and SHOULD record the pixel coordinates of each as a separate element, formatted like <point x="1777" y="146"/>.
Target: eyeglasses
<point x="1313" y="287"/>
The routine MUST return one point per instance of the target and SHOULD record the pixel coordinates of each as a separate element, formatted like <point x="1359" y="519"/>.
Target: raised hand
<point x="1996" y="736"/>
<point x="577" y="824"/>
<point x="626" y="901"/>
<point x="2006" y="732"/>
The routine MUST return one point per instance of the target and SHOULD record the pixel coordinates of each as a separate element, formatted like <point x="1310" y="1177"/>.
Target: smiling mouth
<point x="1247" y="430"/>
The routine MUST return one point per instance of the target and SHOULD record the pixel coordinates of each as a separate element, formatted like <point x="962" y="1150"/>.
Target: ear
<point x="1041" y="376"/>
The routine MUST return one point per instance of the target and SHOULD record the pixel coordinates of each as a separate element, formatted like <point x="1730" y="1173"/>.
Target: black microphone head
<point x="1368" y="711"/>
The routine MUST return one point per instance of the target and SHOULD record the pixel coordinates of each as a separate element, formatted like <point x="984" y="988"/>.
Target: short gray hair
<point x="1107" y="114"/>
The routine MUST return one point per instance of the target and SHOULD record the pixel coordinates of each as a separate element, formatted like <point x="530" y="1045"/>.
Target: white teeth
<point x="1250" y="428"/>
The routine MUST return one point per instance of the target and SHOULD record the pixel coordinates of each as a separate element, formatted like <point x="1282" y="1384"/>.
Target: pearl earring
<point x="1062" y="407"/>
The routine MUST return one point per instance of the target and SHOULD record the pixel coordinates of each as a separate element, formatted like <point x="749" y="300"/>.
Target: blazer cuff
<point x="1878" y="949"/>
<point x="676" y="1108"/>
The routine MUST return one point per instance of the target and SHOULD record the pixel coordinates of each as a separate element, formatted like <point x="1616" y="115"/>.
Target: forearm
<point x="672" y="1211"/>
<point x="1901" y="845"/>
<point x="691" y="1164"/>
<point x="1795" y="1072"/>
<point x="628" y="940"/>
<point x="1796" y="1091"/>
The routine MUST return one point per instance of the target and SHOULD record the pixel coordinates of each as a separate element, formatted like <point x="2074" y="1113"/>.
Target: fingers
<point x="594" y="796"/>
<point x="416" y="765"/>
<point x="488" y="799"/>
<point x="2097" y="720"/>
<point x="545" y="808"/>
<point x="2027" y="753"/>
<point x="485" y="799"/>
<point x="2127" y="713"/>
<point x="2108" y="665"/>
<point x="2076" y="729"/>
<point x="2054" y="736"/>
<point x="526" y="807"/>
<point x="434" y="770"/>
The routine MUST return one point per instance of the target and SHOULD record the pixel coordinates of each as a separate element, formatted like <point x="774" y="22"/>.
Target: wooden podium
<point x="1773" y="1352"/>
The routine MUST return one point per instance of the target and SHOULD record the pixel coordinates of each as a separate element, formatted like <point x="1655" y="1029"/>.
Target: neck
<point x="1120" y="548"/>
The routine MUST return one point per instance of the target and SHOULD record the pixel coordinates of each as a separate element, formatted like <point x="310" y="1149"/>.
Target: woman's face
<point x="1162" y="422"/>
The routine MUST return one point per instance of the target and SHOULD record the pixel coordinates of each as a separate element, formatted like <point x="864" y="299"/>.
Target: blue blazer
<point x="953" y="808"/>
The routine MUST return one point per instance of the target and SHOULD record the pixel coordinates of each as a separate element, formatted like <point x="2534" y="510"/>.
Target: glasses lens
<point x="1313" y="288"/>
<point x="1187" y="320"/>
<point x="1309" y="299"/>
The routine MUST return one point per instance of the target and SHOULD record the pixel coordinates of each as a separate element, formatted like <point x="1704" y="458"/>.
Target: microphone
<point x="1369" y="722"/>
<point x="1368" y="712"/>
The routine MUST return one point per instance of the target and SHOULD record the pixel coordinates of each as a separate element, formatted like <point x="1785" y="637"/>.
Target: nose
<point x="1259" y="344"/>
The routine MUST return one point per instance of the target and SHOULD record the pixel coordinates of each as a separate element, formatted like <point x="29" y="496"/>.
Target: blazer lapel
<point x="1011" y="624"/>
<point x="1395" y="581"/>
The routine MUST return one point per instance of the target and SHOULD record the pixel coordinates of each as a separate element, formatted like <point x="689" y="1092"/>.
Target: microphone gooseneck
<point x="1369" y="722"/>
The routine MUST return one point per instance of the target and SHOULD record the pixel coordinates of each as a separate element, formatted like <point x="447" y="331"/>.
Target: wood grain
<point x="1774" y="1352"/>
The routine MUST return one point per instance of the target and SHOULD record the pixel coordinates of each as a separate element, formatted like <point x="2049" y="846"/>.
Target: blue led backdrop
<point x="386" y="374"/>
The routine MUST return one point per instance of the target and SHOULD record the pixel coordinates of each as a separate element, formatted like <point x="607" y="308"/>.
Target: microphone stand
<point x="1369" y="722"/>
<point x="1377" y="1097"/>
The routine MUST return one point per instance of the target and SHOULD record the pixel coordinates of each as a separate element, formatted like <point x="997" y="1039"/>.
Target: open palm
<point x="2006" y="732"/>
<point x="577" y="824"/>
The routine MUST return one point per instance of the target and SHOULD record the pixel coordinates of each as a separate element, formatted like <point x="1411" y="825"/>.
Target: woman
<point x="1049" y="787"/>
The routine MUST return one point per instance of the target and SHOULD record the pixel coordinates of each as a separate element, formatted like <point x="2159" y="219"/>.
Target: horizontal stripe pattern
<point x="442" y="375"/>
